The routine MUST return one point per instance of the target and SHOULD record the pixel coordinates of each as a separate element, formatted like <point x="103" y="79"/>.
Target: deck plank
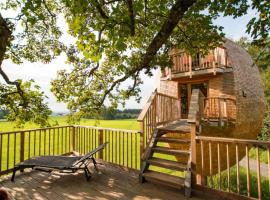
<point x="109" y="183"/>
<point x="179" y="126"/>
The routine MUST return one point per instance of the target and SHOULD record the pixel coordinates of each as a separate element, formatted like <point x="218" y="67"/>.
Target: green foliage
<point x="29" y="108"/>
<point x="35" y="36"/>
<point x="117" y="41"/>
<point x="213" y="182"/>
<point x="111" y="44"/>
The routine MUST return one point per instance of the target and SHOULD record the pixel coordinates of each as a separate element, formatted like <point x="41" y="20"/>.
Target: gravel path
<point x="253" y="166"/>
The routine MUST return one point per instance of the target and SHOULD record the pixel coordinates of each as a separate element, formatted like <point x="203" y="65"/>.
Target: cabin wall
<point x="249" y="92"/>
<point x="169" y="88"/>
<point x="222" y="86"/>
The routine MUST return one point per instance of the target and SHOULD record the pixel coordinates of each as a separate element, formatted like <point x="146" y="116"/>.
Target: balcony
<point x="185" y="65"/>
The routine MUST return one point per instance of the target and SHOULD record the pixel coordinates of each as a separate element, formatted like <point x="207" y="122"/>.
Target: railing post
<point x="73" y="138"/>
<point x="219" y="112"/>
<point x="190" y="66"/>
<point x="141" y="140"/>
<point x="100" y="141"/>
<point x="193" y="154"/>
<point x="22" y="147"/>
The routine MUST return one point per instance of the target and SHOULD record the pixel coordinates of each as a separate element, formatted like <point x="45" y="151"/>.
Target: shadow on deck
<point x="109" y="183"/>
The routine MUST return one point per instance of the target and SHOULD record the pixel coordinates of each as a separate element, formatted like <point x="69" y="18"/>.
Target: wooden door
<point x="186" y="92"/>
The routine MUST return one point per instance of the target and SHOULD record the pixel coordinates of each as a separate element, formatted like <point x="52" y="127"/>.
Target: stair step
<point x="172" y="140"/>
<point x="166" y="150"/>
<point x="166" y="179"/>
<point x="168" y="164"/>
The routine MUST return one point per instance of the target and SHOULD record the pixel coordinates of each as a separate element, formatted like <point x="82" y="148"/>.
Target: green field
<point x="130" y="124"/>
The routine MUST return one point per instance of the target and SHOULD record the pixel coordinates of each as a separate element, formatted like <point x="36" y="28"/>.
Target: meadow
<point x="130" y="124"/>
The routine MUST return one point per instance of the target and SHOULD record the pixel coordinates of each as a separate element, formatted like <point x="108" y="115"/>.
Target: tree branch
<point x="175" y="15"/>
<point x="5" y="38"/>
<point x="100" y="10"/>
<point x="131" y="17"/>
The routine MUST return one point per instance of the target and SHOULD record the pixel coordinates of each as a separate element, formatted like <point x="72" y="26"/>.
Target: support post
<point x="100" y="141"/>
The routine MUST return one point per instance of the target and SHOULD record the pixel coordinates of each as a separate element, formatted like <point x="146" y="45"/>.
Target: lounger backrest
<point x="91" y="153"/>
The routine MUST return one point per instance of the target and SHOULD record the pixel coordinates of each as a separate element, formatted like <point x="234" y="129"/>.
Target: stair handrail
<point x="159" y="110"/>
<point x="146" y="106"/>
<point x="196" y="110"/>
<point x="194" y="117"/>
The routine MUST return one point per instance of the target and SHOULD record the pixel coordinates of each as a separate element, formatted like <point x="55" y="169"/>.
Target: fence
<point x="16" y="146"/>
<point x="225" y="173"/>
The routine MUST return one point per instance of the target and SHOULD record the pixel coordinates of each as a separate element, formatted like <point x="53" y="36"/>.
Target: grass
<point x="39" y="143"/>
<point x="214" y="183"/>
<point x="262" y="152"/>
<point x="130" y="124"/>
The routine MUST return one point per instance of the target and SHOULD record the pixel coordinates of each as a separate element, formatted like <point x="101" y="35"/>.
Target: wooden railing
<point x="219" y="108"/>
<point x="123" y="148"/>
<point x="223" y="172"/>
<point x="183" y="62"/>
<point x="160" y="109"/>
<point x="17" y="146"/>
<point x="215" y="161"/>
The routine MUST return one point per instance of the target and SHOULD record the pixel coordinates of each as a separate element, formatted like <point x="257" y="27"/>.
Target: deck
<point x="109" y="183"/>
<point x="178" y="126"/>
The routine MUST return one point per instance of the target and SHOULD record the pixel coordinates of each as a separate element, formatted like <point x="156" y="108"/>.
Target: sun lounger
<point x="64" y="164"/>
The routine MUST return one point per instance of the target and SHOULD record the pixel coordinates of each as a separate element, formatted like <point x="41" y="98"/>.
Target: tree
<point x="30" y="34"/>
<point x="117" y="40"/>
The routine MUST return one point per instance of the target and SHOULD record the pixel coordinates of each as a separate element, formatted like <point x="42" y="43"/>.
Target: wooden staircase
<point x="159" y="154"/>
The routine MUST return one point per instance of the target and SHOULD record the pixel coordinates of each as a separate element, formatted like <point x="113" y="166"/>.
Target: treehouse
<point x="217" y="95"/>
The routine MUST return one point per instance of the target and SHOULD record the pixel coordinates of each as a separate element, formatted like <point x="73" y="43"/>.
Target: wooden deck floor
<point x="178" y="126"/>
<point x="109" y="183"/>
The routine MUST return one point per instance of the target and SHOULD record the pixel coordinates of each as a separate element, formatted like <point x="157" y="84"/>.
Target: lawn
<point x="130" y="124"/>
<point x="213" y="182"/>
<point x="263" y="155"/>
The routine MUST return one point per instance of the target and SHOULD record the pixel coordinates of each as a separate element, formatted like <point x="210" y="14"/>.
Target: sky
<point x="44" y="73"/>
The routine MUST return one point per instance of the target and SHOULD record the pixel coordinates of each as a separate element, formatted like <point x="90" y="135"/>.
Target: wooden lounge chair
<point x="64" y="164"/>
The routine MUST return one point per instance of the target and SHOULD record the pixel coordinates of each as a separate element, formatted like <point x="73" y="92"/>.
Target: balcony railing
<point x="219" y="108"/>
<point x="185" y="63"/>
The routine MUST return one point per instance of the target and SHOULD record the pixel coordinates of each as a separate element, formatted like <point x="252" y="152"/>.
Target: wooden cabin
<point x="220" y="93"/>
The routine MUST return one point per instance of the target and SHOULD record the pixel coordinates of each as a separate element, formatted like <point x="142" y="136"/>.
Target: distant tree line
<point x="109" y="114"/>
